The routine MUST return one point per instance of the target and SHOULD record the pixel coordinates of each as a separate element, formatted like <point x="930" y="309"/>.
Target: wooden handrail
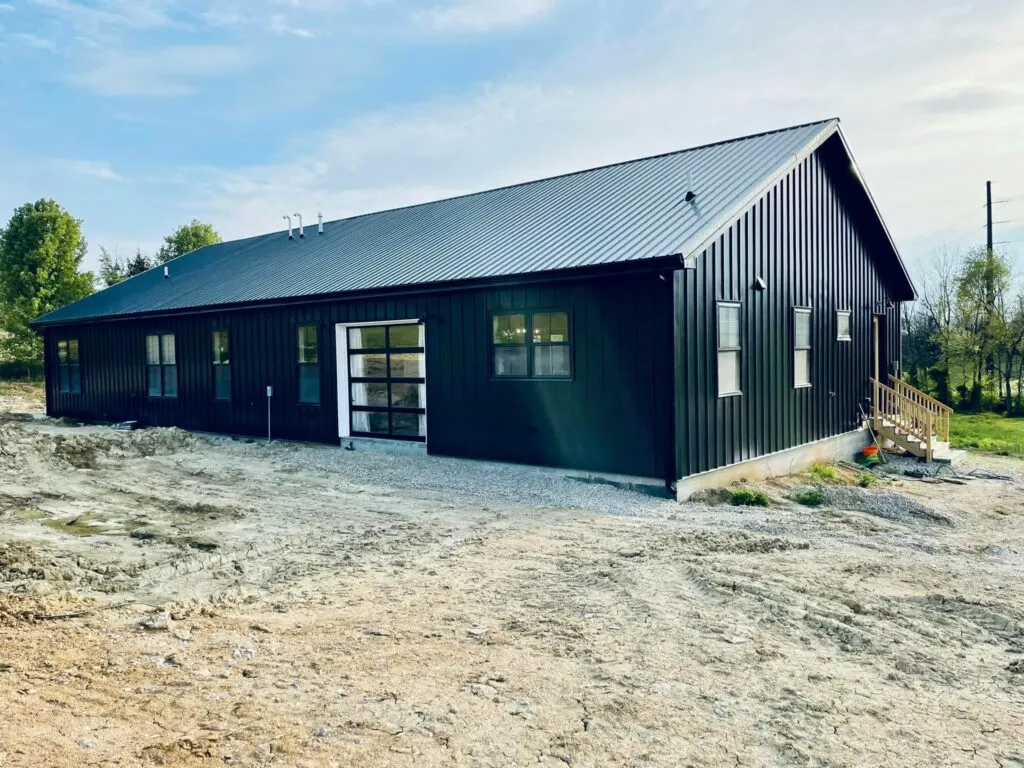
<point x="916" y="416"/>
<point x="900" y="384"/>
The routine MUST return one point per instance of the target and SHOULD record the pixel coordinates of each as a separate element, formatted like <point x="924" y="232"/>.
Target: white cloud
<point x="280" y="26"/>
<point x="34" y="41"/>
<point x="731" y="74"/>
<point x="484" y="15"/>
<point x="6" y="7"/>
<point x="162" y="72"/>
<point x="97" y="170"/>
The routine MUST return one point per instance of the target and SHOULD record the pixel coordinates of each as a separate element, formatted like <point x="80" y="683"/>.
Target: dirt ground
<point x="170" y="600"/>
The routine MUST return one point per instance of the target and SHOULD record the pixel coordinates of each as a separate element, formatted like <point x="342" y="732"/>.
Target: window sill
<point x="845" y="338"/>
<point x="722" y="395"/>
<point x="802" y="386"/>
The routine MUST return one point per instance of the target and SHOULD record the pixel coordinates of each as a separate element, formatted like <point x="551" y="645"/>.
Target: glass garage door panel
<point x="387" y="381"/>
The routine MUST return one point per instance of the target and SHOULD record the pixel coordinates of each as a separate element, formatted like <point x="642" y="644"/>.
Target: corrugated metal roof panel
<point x="626" y="212"/>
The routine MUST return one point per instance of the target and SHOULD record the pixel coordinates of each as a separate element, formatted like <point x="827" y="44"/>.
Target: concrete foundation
<point x="787" y="462"/>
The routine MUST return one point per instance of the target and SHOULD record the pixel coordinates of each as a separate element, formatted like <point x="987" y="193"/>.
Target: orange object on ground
<point x="871" y="450"/>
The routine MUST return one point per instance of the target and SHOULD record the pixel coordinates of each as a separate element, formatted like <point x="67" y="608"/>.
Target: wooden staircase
<point x="911" y="420"/>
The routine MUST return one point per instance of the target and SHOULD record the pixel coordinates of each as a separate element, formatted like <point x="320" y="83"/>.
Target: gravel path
<point x="463" y="481"/>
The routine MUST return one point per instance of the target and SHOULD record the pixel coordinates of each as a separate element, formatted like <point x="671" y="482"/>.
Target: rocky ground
<point x="167" y="599"/>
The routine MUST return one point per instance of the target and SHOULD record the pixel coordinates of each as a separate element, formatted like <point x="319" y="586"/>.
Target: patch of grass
<point x="811" y="498"/>
<point x="866" y="480"/>
<point x="823" y="474"/>
<point x="744" y="497"/>
<point x="27" y="388"/>
<point x="988" y="432"/>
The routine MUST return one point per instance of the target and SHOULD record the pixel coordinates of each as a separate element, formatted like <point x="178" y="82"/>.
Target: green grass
<point x="987" y="432"/>
<point x="822" y="474"/>
<point x="812" y="498"/>
<point x="744" y="497"/>
<point x="866" y="480"/>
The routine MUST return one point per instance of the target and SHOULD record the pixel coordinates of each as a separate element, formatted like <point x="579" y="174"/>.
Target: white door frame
<point x="341" y="354"/>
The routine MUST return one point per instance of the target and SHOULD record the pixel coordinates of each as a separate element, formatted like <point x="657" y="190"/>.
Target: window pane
<point x="510" y="329"/>
<point x="406" y="335"/>
<point x="372" y="366"/>
<point x="551" y="327"/>
<point x="374" y="422"/>
<point x="510" y="361"/>
<point x="309" y="384"/>
<point x="408" y="424"/>
<point x="222" y="382"/>
<point x="802" y="327"/>
<point x="802" y="367"/>
<point x="167" y="349"/>
<point x="153" y="350"/>
<point x="62" y="351"/>
<point x="370" y="394"/>
<point x="728" y="326"/>
<point x="73" y="351"/>
<point x="408" y="395"/>
<point x="367" y="338"/>
<point x="407" y="365"/>
<point x="65" y="379"/>
<point x="728" y="373"/>
<point x="221" y="353"/>
<point x="170" y="381"/>
<point x="843" y="325"/>
<point x="309" y="351"/>
<point x="154" y="380"/>
<point x="551" y="361"/>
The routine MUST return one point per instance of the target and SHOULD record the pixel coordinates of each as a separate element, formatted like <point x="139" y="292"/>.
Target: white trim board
<point x="341" y="357"/>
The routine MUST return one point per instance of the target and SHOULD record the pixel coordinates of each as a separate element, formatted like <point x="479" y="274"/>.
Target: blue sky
<point x="138" y="115"/>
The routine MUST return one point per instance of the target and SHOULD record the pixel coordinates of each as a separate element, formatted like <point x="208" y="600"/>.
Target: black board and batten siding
<point x="642" y="399"/>
<point x="612" y="416"/>
<point x="804" y="242"/>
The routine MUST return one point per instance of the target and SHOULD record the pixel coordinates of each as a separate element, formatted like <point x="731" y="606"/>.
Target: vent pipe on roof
<point x="167" y="272"/>
<point x="302" y="231"/>
<point x="289" y="220"/>
<point x="320" y="223"/>
<point x="690" y="194"/>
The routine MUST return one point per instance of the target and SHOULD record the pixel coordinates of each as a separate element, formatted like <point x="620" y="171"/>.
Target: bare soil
<point x="168" y="600"/>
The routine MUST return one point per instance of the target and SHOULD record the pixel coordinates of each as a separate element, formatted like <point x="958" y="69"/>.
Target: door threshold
<point x="383" y="444"/>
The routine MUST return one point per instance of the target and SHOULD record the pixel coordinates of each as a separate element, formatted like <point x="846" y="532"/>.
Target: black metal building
<point x="657" y="318"/>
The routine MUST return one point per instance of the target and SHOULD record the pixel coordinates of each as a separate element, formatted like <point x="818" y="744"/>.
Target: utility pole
<point x="988" y="208"/>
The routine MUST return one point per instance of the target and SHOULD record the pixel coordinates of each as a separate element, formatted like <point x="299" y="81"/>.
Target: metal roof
<point x="618" y="213"/>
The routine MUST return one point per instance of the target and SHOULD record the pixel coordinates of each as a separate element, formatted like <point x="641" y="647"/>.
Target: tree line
<point x="963" y="340"/>
<point x="41" y="269"/>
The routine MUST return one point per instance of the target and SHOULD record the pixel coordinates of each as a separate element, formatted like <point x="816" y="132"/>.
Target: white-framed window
<point x="161" y="365"/>
<point x="67" y="362"/>
<point x="801" y="347"/>
<point x="729" y="349"/>
<point x="843" y="325"/>
<point x="221" y="366"/>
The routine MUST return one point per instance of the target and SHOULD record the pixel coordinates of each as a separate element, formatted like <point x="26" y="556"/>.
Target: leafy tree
<point x="41" y="251"/>
<point x="114" y="269"/>
<point x="185" y="239"/>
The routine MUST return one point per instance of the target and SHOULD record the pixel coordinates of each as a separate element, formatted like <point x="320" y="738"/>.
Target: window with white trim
<point x="162" y="365"/>
<point x="221" y="366"/>
<point x="309" y="364"/>
<point x="843" y="325"/>
<point x="801" y="347"/>
<point x="729" y="348"/>
<point x="67" y="361"/>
